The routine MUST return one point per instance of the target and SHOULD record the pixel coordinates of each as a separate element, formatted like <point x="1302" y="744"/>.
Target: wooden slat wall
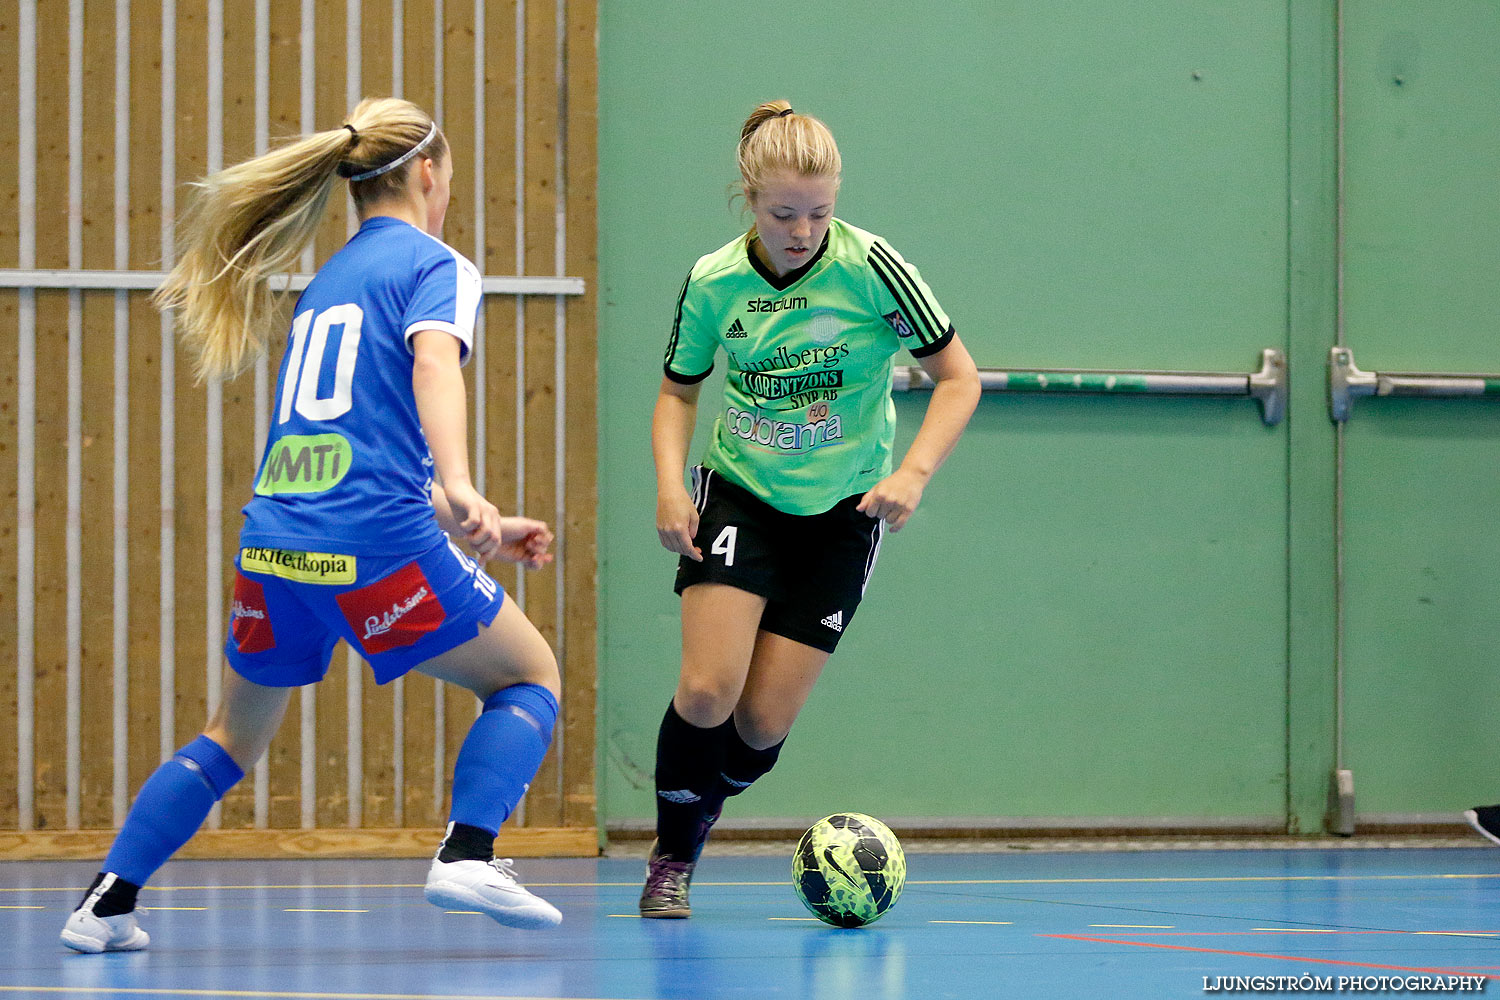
<point x="145" y="368"/>
<point x="580" y="180"/>
<point x="406" y="753"/>
<point x="9" y="339"/>
<point x="51" y="414"/>
<point x="97" y="445"/>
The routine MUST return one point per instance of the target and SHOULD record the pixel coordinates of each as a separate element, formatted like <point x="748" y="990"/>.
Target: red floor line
<point x="1310" y="934"/>
<point x="1257" y="954"/>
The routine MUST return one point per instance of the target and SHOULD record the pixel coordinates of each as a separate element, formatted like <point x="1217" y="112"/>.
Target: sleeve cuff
<point x="432" y="324"/>
<point x="937" y="345"/>
<point x="682" y="379"/>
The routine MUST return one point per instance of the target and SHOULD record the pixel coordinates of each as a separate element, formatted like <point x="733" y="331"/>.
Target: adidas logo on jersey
<point x="835" y="621"/>
<point x="736" y="331"/>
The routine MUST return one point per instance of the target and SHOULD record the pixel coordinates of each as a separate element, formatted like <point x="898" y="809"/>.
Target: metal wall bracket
<point x="1268" y="386"/>
<point x="1341" y="802"/>
<point x="124" y="281"/>
<point x="1346" y="382"/>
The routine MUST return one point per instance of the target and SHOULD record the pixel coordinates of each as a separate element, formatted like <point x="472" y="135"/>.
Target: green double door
<point x="1128" y="612"/>
<point x="1111" y="611"/>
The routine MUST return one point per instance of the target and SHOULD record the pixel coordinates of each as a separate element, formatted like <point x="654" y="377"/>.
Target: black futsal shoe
<point x="1485" y="819"/>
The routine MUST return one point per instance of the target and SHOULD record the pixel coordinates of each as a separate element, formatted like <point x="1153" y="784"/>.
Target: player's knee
<point x="243" y="753"/>
<point x="535" y="704"/>
<point x="703" y="702"/>
<point x="212" y="762"/>
<point x="761" y="730"/>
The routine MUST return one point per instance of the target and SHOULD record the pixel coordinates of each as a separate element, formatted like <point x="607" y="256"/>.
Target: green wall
<point x="1107" y="610"/>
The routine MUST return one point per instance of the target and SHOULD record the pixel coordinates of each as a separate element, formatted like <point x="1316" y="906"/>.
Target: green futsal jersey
<point x="808" y="418"/>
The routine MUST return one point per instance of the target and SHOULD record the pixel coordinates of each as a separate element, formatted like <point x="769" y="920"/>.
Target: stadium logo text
<point x="776" y="305"/>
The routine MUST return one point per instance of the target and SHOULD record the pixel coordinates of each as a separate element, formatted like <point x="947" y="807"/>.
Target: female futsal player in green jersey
<point x="781" y="531"/>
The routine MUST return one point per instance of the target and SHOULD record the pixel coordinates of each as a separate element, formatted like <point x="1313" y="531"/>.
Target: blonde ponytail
<point x="776" y="138"/>
<point x="252" y="220"/>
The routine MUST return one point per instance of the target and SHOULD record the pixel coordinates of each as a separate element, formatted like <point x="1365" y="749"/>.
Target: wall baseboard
<point x="70" y="845"/>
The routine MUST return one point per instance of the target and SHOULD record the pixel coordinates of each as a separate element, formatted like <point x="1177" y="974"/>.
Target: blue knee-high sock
<point x="501" y="754"/>
<point x="172" y="804"/>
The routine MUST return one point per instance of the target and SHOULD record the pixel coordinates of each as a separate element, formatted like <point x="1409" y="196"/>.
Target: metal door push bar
<point x="1268" y="387"/>
<point x="1346" y="382"/>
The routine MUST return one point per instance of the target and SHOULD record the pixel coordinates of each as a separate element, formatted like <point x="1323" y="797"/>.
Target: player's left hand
<point x="894" y="498"/>
<point x="525" y="541"/>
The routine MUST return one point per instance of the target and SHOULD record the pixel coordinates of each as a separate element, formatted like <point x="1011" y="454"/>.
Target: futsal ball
<point x="849" y="869"/>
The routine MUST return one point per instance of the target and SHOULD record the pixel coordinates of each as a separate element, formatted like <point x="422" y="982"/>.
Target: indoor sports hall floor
<point x="1032" y="922"/>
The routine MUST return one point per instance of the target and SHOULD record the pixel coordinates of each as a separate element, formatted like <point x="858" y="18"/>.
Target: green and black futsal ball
<point x="849" y="869"/>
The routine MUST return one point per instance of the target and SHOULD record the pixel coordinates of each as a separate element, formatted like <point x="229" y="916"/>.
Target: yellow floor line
<point x="152" y="908"/>
<point x="996" y="923"/>
<point x="292" y="909"/>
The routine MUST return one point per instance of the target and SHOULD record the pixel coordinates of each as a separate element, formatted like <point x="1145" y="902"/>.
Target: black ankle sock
<point x="688" y="759"/>
<point x="467" y="843"/>
<point x="118" y="898"/>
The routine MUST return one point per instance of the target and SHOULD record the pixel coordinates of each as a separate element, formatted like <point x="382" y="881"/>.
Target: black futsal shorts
<point x="811" y="569"/>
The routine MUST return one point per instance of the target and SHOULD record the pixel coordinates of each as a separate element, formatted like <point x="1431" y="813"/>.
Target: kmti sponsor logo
<point x="305" y="463"/>
<point x="303" y="567"/>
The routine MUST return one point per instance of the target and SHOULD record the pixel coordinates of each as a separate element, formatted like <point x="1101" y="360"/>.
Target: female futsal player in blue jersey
<point x="345" y="535"/>
<point x="797" y="483"/>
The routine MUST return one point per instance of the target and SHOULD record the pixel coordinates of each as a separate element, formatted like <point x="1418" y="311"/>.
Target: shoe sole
<point x="91" y="946"/>
<point x="679" y="913"/>
<point x="1473" y="818"/>
<point x="458" y="897"/>
<point x="79" y="942"/>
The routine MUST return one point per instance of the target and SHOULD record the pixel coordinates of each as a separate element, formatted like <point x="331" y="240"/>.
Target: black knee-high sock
<point x="743" y="766"/>
<point x="688" y="762"/>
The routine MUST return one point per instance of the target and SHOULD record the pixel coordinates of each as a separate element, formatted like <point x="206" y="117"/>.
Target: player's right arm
<point x="690" y="358"/>
<point x="671" y="432"/>
<point x="438" y="385"/>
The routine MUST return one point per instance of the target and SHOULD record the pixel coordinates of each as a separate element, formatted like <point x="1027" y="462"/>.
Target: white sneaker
<point x="491" y="888"/>
<point x="85" y="931"/>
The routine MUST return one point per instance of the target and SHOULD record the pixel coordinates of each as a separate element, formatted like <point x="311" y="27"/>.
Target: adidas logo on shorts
<point x="835" y="621"/>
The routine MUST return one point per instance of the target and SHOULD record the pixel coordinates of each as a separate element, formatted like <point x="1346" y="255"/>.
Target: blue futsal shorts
<point x="290" y="608"/>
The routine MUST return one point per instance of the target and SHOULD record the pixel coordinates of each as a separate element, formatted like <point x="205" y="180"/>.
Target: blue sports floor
<point x="1032" y="924"/>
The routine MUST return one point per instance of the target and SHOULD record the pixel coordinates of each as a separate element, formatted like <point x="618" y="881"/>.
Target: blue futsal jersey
<point x="346" y="468"/>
